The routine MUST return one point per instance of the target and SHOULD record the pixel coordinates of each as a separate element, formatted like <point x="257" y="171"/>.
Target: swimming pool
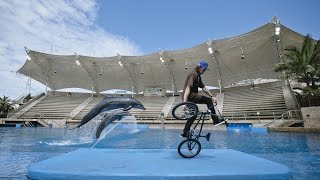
<point x="20" y="147"/>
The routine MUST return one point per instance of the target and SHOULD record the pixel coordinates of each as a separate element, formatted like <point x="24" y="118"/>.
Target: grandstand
<point x="239" y="105"/>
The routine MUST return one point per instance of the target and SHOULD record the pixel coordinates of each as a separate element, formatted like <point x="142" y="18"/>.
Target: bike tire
<point x="185" y="111"/>
<point x="189" y="148"/>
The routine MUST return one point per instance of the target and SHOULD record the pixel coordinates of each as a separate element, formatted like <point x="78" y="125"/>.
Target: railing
<point x="283" y="116"/>
<point x="247" y="114"/>
<point x="28" y="124"/>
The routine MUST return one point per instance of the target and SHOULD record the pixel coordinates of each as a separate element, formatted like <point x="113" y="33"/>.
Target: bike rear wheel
<point x="189" y="148"/>
<point x="185" y="111"/>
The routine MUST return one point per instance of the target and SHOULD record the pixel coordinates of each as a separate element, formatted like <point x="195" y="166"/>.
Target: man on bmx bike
<point x="190" y="94"/>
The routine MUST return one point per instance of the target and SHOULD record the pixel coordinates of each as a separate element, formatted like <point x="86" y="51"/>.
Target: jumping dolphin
<point x="109" y="118"/>
<point x="111" y="103"/>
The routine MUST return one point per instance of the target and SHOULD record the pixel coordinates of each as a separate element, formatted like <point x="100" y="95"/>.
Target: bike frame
<point x="191" y="147"/>
<point x="202" y="119"/>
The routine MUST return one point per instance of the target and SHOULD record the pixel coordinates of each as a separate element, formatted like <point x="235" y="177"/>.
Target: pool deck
<point x="156" y="164"/>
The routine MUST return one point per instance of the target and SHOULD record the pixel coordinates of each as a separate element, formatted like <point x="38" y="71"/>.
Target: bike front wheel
<point x="189" y="148"/>
<point x="185" y="111"/>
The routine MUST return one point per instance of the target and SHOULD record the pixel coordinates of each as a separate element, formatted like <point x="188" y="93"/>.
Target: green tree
<point x="302" y="64"/>
<point x="5" y="106"/>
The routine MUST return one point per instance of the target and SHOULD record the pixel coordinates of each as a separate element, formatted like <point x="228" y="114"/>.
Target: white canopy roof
<point x="260" y="48"/>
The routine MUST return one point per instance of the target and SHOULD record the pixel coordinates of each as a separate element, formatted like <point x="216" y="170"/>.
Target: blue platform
<point x="157" y="164"/>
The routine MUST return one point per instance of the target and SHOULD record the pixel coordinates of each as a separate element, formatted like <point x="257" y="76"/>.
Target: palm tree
<point x="302" y="64"/>
<point x="5" y="106"/>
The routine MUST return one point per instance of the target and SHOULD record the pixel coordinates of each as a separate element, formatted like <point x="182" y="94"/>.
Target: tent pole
<point x="172" y="89"/>
<point x="132" y="89"/>
<point x="92" y="90"/>
<point x="132" y="93"/>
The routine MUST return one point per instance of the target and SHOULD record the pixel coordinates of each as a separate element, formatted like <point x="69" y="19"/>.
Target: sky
<point x="107" y="27"/>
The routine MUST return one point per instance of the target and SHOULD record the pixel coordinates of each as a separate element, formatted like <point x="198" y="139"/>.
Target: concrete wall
<point x="311" y="116"/>
<point x="220" y="99"/>
<point x="289" y="98"/>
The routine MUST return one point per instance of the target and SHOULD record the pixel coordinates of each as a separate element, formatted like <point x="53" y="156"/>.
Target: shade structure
<point x="248" y="56"/>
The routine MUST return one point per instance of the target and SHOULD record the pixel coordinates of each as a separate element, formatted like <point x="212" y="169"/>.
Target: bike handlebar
<point x="215" y="103"/>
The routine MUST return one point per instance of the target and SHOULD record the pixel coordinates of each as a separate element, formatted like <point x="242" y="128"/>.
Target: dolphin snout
<point x="141" y="107"/>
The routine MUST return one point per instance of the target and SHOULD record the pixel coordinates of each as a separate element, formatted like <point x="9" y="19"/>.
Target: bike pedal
<point x="208" y="137"/>
<point x="222" y="122"/>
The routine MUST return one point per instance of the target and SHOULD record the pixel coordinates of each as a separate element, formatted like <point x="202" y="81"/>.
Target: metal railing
<point x="28" y="124"/>
<point x="288" y="115"/>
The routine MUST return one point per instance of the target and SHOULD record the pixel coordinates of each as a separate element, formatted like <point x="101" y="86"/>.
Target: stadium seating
<point x="237" y="104"/>
<point x="88" y="107"/>
<point x="154" y="106"/>
<point x="53" y="107"/>
<point x="249" y="104"/>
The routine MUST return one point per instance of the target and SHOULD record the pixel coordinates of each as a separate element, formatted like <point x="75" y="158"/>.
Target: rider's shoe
<point x="184" y="134"/>
<point x="217" y="120"/>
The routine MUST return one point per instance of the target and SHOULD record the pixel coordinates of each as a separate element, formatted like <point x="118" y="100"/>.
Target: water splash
<point x="103" y="134"/>
<point x="132" y="124"/>
<point x="69" y="142"/>
<point x="86" y="133"/>
<point x="83" y="135"/>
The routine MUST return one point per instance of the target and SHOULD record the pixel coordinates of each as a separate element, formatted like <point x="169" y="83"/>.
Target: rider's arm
<point x="208" y="93"/>
<point x="186" y="94"/>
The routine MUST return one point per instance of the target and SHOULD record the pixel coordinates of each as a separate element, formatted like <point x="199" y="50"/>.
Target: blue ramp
<point x="157" y="164"/>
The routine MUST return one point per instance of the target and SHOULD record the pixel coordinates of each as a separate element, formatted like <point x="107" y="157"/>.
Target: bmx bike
<point x="191" y="147"/>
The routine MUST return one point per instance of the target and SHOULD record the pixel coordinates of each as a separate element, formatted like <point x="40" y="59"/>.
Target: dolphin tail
<point x="117" y="115"/>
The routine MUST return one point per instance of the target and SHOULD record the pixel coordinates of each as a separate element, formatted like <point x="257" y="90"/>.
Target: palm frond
<point x="302" y="64"/>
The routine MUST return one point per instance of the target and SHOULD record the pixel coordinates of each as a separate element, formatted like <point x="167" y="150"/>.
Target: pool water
<point x="20" y="147"/>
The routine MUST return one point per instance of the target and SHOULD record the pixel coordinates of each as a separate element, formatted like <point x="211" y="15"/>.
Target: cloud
<point x="54" y="26"/>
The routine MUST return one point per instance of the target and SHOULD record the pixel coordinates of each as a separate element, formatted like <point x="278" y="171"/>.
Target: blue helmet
<point x="203" y="64"/>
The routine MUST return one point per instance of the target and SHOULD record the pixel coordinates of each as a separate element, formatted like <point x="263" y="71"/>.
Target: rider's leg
<point x="208" y="101"/>
<point x="200" y="99"/>
<point x="187" y="127"/>
<point x="193" y="97"/>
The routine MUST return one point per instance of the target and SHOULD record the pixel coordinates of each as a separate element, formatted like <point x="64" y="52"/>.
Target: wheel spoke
<point x="189" y="148"/>
<point x="185" y="110"/>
